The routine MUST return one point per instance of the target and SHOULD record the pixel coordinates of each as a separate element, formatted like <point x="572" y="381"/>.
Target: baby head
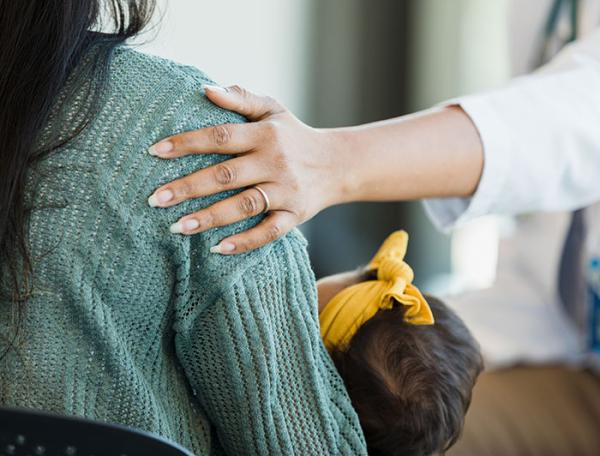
<point x="409" y="363"/>
<point x="410" y="384"/>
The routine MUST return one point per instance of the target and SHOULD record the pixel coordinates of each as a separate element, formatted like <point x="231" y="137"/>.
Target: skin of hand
<point x="329" y="286"/>
<point x="303" y="170"/>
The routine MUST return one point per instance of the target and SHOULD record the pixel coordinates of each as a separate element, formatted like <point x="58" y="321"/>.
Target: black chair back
<point x="32" y="433"/>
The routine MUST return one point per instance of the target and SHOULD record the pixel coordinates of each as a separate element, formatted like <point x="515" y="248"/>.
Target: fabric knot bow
<point x="353" y="306"/>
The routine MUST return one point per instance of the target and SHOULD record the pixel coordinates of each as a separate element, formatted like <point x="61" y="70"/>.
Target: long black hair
<point x="41" y="44"/>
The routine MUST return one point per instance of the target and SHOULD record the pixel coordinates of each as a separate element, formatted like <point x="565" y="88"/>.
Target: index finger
<point x="217" y="139"/>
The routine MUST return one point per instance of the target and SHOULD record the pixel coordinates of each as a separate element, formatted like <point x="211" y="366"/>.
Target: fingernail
<point x="176" y="228"/>
<point x="190" y="224"/>
<point x="215" y="88"/>
<point x="160" y="198"/>
<point x="163" y="147"/>
<point x="223" y="247"/>
<point x="184" y="226"/>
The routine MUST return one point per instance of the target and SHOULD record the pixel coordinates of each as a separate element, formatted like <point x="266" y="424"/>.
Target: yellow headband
<point x="353" y="306"/>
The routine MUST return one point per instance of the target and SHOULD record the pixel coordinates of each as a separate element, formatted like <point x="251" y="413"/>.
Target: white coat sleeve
<point x="541" y="140"/>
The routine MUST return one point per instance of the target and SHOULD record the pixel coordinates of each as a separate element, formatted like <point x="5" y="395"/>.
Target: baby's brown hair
<point x="410" y="384"/>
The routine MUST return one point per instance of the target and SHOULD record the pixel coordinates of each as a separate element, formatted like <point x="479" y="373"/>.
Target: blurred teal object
<point x="559" y="7"/>
<point x="593" y="295"/>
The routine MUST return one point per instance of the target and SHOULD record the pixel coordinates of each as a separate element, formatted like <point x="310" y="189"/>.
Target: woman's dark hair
<point x="41" y="44"/>
<point x="410" y="385"/>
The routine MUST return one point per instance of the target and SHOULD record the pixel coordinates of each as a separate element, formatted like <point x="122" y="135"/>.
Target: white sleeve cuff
<point x="449" y="213"/>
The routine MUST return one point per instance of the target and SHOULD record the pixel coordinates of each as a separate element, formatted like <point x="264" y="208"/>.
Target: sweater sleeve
<point x="253" y="355"/>
<point x="246" y="327"/>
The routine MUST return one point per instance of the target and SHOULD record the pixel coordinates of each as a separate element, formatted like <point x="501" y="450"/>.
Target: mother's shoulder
<point x="138" y="80"/>
<point x="146" y="99"/>
<point x="148" y="67"/>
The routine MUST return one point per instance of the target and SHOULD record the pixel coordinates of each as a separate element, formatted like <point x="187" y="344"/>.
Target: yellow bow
<point x="353" y="306"/>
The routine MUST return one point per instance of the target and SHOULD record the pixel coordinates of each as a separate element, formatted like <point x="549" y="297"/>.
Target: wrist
<point x="345" y="171"/>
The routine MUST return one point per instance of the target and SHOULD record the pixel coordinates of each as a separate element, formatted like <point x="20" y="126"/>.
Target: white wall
<point x="462" y="47"/>
<point x="261" y="44"/>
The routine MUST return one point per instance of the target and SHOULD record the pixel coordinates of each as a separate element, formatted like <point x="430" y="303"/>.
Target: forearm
<point x="435" y="153"/>
<point x="538" y="132"/>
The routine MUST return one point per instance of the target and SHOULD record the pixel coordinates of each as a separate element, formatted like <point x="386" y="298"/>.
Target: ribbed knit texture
<point x="133" y="325"/>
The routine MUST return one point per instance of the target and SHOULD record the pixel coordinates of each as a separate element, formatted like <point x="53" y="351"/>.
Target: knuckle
<point x="209" y="219"/>
<point x="221" y="135"/>
<point x="283" y="163"/>
<point x="185" y="188"/>
<point x="274" y="232"/>
<point x="225" y="174"/>
<point x="239" y="90"/>
<point x="301" y="214"/>
<point x="271" y="131"/>
<point x="273" y="104"/>
<point x="249" y="204"/>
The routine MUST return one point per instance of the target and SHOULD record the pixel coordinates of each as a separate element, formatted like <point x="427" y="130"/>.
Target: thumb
<point x="235" y="98"/>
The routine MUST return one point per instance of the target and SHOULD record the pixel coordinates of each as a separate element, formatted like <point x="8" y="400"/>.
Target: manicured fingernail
<point x="223" y="247"/>
<point x="184" y="226"/>
<point x="176" y="228"/>
<point x="163" y="147"/>
<point x="160" y="198"/>
<point x="215" y="88"/>
<point x="190" y="224"/>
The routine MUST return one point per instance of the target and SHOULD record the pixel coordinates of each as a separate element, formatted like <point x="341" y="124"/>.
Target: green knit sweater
<point x="133" y="325"/>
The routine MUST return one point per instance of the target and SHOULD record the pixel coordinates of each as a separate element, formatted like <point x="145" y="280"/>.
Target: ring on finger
<point x="265" y="197"/>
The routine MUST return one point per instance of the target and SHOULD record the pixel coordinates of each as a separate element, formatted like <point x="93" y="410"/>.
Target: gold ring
<point x="265" y="197"/>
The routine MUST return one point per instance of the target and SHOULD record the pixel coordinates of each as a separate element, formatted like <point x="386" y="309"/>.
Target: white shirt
<point x="541" y="138"/>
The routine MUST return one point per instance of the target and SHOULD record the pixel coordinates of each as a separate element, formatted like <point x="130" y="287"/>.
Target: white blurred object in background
<point x="474" y="253"/>
<point x="260" y="44"/>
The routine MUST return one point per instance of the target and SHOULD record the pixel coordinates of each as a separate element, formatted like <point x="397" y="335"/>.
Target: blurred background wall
<point x="342" y="62"/>
<point x="262" y="44"/>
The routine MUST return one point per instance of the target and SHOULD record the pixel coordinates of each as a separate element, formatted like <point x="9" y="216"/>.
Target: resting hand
<point x="290" y="161"/>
